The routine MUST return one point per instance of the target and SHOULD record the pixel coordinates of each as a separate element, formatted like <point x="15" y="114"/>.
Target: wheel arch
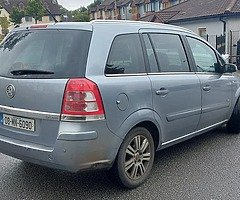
<point x="143" y="118"/>
<point x="153" y="129"/>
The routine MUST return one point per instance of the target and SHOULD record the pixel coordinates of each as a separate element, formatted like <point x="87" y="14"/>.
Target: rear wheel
<point x="233" y="125"/>
<point x="135" y="158"/>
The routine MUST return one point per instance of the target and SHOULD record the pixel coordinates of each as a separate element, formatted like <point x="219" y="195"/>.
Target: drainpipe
<point x="224" y="25"/>
<point x="225" y="33"/>
<point x="115" y="9"/>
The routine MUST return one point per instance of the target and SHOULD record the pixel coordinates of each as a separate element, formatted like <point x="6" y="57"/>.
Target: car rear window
<point x="58" y="53"/>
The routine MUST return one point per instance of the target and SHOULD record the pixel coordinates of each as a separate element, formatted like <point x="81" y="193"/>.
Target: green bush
<point x="1" y="37"/>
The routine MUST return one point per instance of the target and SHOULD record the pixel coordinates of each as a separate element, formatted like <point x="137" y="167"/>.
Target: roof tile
<point x="54" y="8"/>
<point x="192" y="9"/>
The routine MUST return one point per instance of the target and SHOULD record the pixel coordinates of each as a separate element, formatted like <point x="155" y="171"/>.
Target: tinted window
<point x="170" y="53"/>
<point x="126" y="56"/>
<point x="205" y="58"/>
<point x="63" y="52"/>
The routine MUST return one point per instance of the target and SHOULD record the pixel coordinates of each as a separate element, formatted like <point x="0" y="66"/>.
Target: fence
<point x="235" y="47"/>
<point x="218" y="41"/>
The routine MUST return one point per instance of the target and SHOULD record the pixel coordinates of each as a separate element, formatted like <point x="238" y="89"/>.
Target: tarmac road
<point x="206" y="167"/>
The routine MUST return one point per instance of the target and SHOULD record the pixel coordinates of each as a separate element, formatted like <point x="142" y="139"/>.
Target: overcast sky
<point x="74" y="4"/>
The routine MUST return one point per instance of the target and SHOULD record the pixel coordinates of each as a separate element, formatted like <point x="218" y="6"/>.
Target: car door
<point x="175" y="88"/>
<point x="216" y="87"/>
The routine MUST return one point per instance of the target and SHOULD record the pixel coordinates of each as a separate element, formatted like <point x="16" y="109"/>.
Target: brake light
<point x="38" y="26"/>
<point x="82" y="101"/>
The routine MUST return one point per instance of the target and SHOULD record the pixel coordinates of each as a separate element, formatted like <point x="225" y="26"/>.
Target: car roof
<point x="139" y="25"/>
<point x="109" y="24"/>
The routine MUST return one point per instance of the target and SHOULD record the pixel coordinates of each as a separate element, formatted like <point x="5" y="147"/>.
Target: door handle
<point x="207" y="88"/>
<point x="162" y="92"/>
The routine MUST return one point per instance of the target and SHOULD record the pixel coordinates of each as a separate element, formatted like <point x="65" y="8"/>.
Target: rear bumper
<point x="72" y="151"/>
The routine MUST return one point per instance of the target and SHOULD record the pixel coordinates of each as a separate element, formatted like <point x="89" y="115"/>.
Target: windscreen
<point x="45" y="54"/>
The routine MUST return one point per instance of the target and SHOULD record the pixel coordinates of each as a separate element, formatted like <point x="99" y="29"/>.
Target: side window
<point x="170" y="53"/>
<point x="126" y="56"/>
<point x="150" y="54"/>
<point x="204" y="56"/>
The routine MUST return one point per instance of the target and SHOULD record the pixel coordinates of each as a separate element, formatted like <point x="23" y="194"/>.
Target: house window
<point x="28" y="19"/>
<point x="202" y="32"/>
<point x="51" y="18"/>
<point x="161" y="6"/>
<point x="145" y="8"/>
<point x="157" y="6"/>
<point x="174" y="2"/>
<point x="152" y="6"/>
<point x="123" y="11"/>
<point x="148" y="7"/>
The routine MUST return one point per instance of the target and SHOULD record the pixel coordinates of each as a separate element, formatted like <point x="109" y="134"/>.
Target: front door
<point x="216" y="87"/>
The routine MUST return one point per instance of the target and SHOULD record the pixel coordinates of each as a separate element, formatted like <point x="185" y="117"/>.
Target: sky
<point x="74" y="4"/>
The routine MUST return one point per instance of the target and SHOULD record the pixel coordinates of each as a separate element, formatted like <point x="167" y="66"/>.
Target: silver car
<point x="108" y="94"/>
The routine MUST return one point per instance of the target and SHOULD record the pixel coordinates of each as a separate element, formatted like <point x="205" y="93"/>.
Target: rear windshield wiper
<point x="29" y="72"/>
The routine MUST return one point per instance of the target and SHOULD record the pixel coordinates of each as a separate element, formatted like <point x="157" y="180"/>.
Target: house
<point x="103" y="11"/>
<point x="128" y="9"/>
<point x="52" y="6"/>
<point x="4" y="13"/>
<point x="144" y="7"/>
<point x="110" y="9"/>
<point x="218" y="21"/>
<point x="124" y="9"/>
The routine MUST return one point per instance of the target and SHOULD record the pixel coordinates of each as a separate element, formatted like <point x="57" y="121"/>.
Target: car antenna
<point x="44" y="5"/>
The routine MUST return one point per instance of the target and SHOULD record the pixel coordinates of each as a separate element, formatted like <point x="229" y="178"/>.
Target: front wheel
<point x="135" y="158"/>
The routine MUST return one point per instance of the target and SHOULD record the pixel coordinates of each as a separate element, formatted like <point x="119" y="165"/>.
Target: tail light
<point x="39" y="26"/>
<point x="82" y="101"/>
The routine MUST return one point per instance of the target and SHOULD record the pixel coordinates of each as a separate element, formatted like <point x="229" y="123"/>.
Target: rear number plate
<point x="19" y="122"/>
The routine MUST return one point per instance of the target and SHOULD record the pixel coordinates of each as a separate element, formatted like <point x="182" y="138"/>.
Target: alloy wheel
<point x="137" y="157"/>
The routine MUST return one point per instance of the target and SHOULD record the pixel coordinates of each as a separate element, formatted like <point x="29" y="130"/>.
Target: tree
<point x="80" y="15"/>
<point x="35" y="9"/>
<point x="98" y="2"/>
<point x="16" y="15"/>
<point x="65" y="14"/>
<point x="4" y="24"/>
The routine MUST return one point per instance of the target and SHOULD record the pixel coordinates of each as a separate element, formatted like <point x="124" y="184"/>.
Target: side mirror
<point x="230" y="68"/>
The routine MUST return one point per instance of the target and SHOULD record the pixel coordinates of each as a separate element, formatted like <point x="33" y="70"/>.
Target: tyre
<point x="134" y="160"/>
<point x="233" y="125"/>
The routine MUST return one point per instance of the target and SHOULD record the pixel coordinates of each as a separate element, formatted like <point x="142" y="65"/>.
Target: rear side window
<point x="126" y="56"/>
<point x="170" y="53"/>
<point x="63" y="53"/>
